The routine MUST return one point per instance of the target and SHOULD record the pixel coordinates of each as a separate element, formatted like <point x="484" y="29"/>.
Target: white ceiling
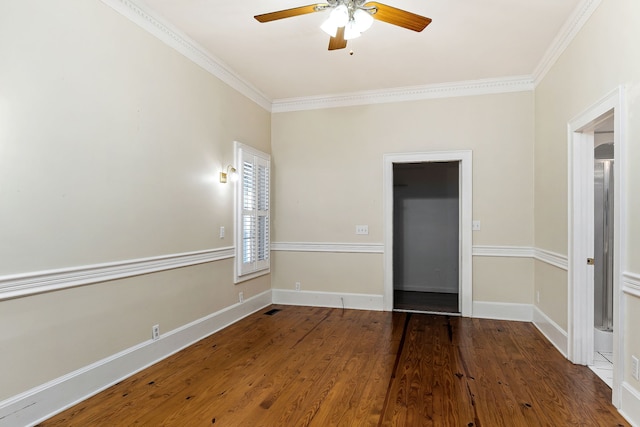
<point x="467" y="40"/>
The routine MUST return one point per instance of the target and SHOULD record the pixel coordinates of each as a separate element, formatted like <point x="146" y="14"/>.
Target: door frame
<point x="581" y="233"/>
<point x="464" y="157"/>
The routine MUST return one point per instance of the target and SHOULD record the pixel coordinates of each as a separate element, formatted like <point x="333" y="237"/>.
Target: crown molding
<point x="410" y="93"/>
<point x="565" y="36"/>
<point x="168" y="34"/>
<point x="182" y="43"/>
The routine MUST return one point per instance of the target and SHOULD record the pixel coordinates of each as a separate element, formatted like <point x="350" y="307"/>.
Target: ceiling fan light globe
<point x="329" y="27"/>
<point x="363" y="20"/>
<point x="351" y="31"/>
<point x="339" y="16"/>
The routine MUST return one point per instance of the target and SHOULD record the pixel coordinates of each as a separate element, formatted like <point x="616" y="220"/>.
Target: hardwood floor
<point x="425" y="301"/>
<point x="306" y="366"/>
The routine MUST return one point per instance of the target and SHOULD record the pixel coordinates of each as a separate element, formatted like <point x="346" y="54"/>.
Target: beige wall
<point x="502" y="279"/>
<point x="632" y="343"/>
<point x="328" y="178"/>
<point x="603" y="56"/>
<point x="328" y="272"/>
<point x="110" y="145"/>
<point x="551" y="285"/>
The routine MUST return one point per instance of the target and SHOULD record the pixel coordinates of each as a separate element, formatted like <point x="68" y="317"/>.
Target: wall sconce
<point x="231" y="175"/>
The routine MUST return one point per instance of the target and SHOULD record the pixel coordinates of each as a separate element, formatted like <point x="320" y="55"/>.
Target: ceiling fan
<point x="349" y="18"/>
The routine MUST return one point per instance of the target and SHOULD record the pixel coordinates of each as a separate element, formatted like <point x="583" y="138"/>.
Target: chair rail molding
<point x="503" y="251"/>
<point x="375" y="248"/>
<point x="552" y="258"/>
<point x="631" y="283"/>
<point x="20" y="285"/>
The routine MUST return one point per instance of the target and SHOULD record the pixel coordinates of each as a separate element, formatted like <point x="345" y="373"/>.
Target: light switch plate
<point x="362" y="229"/>
<point x="475" y="225"/>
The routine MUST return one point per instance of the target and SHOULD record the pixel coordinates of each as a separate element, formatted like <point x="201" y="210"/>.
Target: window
<point x="252" y="213"/>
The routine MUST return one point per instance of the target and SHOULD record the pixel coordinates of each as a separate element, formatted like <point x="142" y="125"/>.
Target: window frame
<point x="258" y="266"/>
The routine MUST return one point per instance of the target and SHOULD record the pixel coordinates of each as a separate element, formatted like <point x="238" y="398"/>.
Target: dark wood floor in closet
<point x="305" y="366"/>
<point x="425" y="301"/>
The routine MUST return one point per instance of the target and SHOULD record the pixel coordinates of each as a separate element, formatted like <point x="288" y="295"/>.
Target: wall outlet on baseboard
<point x="297" y="286"/>
<point x="241" y="296"/>
<point x="155" y="332"/>
<point x="634" y="368"/>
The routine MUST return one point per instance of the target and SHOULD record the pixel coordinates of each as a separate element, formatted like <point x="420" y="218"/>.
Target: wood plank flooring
<point x="307" y="366"/>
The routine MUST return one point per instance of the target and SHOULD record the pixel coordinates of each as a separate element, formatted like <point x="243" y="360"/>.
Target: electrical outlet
<point x="155" y="332"/>
<point x="538" y="297"/>
<point x="222" y="232"/>
<point x="297" y="286"/>
<point x="241" y="296"/>
<point x="634" y="368"/>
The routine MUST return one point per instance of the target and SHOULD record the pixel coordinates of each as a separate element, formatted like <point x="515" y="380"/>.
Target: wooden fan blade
<point x="399" y="17"/>
<point x="338" y="42"/>
<point x="288" y="13"/>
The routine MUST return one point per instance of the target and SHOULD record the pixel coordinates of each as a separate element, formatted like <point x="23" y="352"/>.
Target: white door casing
<point x="581" y="233"/>
<point x="465" y="220"/>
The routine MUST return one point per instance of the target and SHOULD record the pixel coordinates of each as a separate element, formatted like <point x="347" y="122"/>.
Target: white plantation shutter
<point x="262" y="213"/>
<point x="248" y="210"/>
<point x="253" y="238"/>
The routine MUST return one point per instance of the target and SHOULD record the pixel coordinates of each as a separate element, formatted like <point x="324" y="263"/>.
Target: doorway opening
<point x="596" y="243"/>
<point x="463" y="161"/>
<point x="603" y="252"/>
<point x="426" y="250"/>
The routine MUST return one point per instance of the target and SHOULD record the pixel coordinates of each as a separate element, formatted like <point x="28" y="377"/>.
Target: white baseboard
<point x="44" y="401"/>
<point x="502" y="311"/>
<point x="550" y="329"/>
<point x="328" y="299"/>
<point x="630" y="404"/>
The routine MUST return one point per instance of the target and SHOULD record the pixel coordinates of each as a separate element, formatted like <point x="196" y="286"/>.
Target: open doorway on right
<point x="426" y="236"/>
<point x="603" y="250"/>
